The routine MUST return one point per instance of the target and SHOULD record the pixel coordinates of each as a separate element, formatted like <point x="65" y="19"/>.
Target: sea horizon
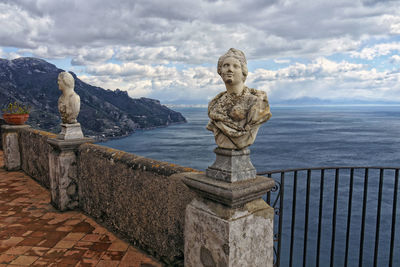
<point x="293" y="105"/>
<point x="310" y="129"/>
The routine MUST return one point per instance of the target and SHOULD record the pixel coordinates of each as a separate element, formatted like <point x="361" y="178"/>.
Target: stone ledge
<point x="134" y="161"/>
<point x="230" y="194"/>
<point x="68" y="144"/>
<point x="13" y="128"/>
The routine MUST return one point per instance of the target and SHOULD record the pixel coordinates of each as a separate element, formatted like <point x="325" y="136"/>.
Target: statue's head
<point x="237" y="54"/>
<point x="65" y="80"/>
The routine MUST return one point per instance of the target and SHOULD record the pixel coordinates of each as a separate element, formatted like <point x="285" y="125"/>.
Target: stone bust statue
<point x="236" y="114"/>
<point x="69" y="102"/>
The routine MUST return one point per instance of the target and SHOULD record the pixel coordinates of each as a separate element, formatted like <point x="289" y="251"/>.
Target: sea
<point x="294" y="137"/>
<point x="305" y="137"/>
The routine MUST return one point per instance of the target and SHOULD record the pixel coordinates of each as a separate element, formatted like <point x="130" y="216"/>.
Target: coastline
<point x="101" y="139"/>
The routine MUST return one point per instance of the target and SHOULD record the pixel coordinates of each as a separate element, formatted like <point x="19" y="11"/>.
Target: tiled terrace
<point x="33" y="233"/>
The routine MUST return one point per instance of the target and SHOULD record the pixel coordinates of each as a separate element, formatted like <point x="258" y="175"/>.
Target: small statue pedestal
<point x="12" y="155"/>
<point x="232" y="165"/>
<point x="63" y="172"/>
<point x="70" y="131"/>
<point x="229" y="224"/>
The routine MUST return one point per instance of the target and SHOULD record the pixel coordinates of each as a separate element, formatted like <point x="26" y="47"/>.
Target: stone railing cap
<point x="229" y="194"/>
<point x="10" y="128"/>
<point x="70" y="144"/>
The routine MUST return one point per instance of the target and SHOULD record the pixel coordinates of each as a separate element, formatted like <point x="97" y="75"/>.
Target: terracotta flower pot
<point x="15" y="119"/>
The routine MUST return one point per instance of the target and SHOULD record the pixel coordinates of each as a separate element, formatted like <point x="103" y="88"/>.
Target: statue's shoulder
<point x="75" y="96"/>
<point x="216" y="98"/>
<point x="256" y="92"/>
<point x="220" y="95"/>
<point x="259" y="94"/>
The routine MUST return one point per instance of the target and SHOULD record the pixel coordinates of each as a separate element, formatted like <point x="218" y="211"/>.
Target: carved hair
<point x="67" y="79"/>
<point x="237" y="54"/>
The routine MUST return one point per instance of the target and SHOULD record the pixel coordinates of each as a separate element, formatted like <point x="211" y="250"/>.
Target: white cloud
<point x="20" y="28"/>
<point x="159" y="48"/>
<point x="377" y="50"/>
<point x="395" y="59"/>
<point x="319" y="68"/>
<point x="88" y="56"/>
<point x="133" y="70"/>
<point x="282" y="61"/>
<point x="327" y="79"/>
<point x="193" y="32"/>
<point x="321" y="78"/>
<point x="159" y="82"/>
<point x="393" y="21"/>
<point x="9" y="55"/>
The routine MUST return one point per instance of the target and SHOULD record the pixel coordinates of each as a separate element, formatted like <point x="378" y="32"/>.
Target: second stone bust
<point x="69" y="102"/>
<point x="236" y="114"/>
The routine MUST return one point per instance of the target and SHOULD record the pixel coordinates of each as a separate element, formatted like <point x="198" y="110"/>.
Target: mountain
<point x="104" y="113"/>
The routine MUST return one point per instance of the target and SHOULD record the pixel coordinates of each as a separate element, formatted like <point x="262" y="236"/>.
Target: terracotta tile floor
<point x="33" y="233"/>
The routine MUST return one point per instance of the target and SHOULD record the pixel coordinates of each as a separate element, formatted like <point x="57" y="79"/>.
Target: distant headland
<point x="105" y="113"/>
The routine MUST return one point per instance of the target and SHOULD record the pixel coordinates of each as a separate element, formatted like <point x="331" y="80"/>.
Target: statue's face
<point x="231" y="71"/>
<point x="60" y="83"/>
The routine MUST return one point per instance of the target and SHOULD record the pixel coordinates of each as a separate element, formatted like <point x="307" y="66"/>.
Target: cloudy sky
<point x="168" y="49"/>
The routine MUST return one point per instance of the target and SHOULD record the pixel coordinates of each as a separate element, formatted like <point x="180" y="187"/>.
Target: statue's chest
<point x="235" y="107"/>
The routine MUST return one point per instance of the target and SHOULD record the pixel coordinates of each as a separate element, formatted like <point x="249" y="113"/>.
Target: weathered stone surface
<point x="69" y="103"/>
<point x="142" y="199"/>
<point x="63" y="172"/>
<point x="72" y="144"/>
<point x="217" y="235"/>
<point x="236" y="114"/>
<point x="12" y="156"/>
<point x="231" y="165"/>
<point x="10" y="143"/>
<point x="70" y="131"/>
<point x="2" y="122"/>
<point x="229" y="194"/>
<point x="35" y="154"/>
<point x="71" y="190"/>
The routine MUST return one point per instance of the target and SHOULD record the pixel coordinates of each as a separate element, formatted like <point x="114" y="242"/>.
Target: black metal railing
<point x="336" y="216"/>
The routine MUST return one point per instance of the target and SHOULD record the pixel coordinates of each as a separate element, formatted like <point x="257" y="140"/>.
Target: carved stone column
<point x="229" y="224"/>
<point x="63" y="172"/>
<point x="10" y="142"/>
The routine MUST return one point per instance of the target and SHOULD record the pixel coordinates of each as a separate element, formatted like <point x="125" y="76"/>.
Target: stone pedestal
<point x="231" y="165"/>
<point x="70" y="131"/>
<point x="228" y="224"/>
<point x="12" y="155"/>
<point x="63" y="172"/>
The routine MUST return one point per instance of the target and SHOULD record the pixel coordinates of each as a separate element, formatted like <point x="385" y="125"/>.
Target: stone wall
<point x="35" y="154"/>
<point x="142" y="199"/>
<point x="2" y="122"/>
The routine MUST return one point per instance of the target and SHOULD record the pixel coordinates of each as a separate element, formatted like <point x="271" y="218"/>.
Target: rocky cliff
<point x="104" y="113"/>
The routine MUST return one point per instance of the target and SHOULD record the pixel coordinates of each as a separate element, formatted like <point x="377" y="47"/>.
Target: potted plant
<point x="16" y="113"/>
